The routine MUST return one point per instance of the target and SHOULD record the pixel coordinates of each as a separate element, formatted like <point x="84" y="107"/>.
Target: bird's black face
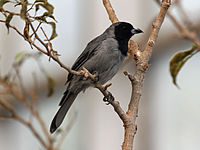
<point x="124" y="31"/>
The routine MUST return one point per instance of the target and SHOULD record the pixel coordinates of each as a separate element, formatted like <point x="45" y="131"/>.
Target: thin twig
<point x="15" y="116"/>
<point x="183" y="14"/>
<point x="13" y="13"/>
<point x="55" y="58"/>
<point x="50" y="46"/>
<point x="36" y="29"/>
<point x="24" y="101"/>
<point x="184" y="31"/>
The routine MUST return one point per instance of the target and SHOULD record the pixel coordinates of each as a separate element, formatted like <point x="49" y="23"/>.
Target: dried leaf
<point x="17" y="4"/>
<point x="8" y="19"/>
<point x="179" y="59"/>
<point x="37" y="7"/>
<point x="51" y="86"/>
<point x="26" y="30"/>
<point x="53" y="34"/>
<point x="47" y="6"/>
<point x="2" y="2"/>
<point x="40" y="1"/>
<point x="41" y="18"/>
<point x="47" y="14"/>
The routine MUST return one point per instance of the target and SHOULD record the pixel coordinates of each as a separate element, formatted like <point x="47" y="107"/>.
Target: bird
<point x="103" y="55"/>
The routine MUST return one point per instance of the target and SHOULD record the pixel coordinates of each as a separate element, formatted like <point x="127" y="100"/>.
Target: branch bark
<point x="111" y="13"/>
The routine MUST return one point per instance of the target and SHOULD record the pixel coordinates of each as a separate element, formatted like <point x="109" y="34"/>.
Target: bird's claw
<point x="96" y="76"/>
<point x="108" y="99"/>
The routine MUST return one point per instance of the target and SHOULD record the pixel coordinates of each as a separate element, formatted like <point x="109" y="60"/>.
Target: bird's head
<point x="124" y="30"/>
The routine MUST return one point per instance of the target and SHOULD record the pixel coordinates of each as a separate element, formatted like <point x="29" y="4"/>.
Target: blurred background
<point x="168" y="117"/>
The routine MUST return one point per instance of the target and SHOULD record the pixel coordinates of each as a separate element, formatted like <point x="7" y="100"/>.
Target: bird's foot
<point x="96" y="76"/>
<point x="108" y="99"/>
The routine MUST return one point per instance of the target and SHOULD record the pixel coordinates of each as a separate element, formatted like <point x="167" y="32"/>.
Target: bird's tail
<point x="60" y="115"/>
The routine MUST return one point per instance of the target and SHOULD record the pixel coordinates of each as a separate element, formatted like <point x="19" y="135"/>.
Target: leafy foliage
<point x="27" y="9"/>
<point x="179" y="59"/>
<point x="34" y="14"/>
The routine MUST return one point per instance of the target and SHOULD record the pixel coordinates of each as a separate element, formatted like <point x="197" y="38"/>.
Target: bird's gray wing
<point x="88" y="52"/>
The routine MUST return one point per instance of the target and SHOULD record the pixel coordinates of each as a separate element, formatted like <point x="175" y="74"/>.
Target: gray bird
<point x="104" y="56"/>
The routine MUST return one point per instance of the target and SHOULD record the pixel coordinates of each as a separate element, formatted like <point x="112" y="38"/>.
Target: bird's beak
<point x="136" y="31"/>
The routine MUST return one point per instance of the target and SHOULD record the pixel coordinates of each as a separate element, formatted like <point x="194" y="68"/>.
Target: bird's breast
<point x="110" y="66"/>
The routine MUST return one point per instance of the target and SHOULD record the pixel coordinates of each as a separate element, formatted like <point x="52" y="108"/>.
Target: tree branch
<point x="111" y="13"/>
<point x="15" y="116"/>
<point x="184" y="31"/>
<point x="107" y="95"/>
<point x="11" y="89"/>
<point x="137" y="80"/>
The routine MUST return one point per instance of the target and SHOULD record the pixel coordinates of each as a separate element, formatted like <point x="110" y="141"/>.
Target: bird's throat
<point x="123" y="46"/>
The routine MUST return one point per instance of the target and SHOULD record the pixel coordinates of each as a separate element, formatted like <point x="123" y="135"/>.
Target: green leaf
<point x="179" y="59"/>
<point x="20" y="56"/>
<point x="8" y="19"/>
<point x="51" y="86"/>
<point x="53" y="34"/>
